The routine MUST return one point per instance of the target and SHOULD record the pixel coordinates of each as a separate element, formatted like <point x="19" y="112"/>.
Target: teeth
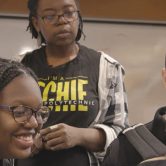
<point x="25" y="138"/>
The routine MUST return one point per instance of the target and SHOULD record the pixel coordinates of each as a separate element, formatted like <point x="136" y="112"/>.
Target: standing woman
<point x="21" y="110"/>
<point x="83" y="88"/>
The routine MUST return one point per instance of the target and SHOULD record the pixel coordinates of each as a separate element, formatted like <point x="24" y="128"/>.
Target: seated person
<point x="122" y="153"/>
<point x="21" y="112"/>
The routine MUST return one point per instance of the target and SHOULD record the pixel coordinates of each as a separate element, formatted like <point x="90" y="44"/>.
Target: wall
<point x="151" y="10"/>
<point x="140" y="48"/>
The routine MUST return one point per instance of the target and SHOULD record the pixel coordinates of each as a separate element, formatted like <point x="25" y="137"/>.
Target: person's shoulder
<point x="161" y="110"/>
<point x="160" y="116"/>
<point x="88" y="51"/>
<point x="33" y="56"/>
<point x="34" y="53"/>
<point x="27" y="55"/>
<point x="104" y="57"/>
<point x="108" y="61"/>
<point x="109" y="58"/>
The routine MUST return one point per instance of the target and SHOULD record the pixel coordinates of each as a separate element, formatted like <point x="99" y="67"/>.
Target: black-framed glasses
<point x="22" y="114"/>
<point x="69" y="16"/>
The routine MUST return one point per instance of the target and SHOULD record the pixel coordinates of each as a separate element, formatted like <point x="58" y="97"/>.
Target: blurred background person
<point x="122" y="152"/>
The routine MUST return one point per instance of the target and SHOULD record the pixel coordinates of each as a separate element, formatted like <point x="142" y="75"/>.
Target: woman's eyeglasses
<point x="22" y="114"/>
<point x="69" y="16"/>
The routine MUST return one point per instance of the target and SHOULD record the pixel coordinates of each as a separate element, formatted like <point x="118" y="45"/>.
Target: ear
<point x="164" y="75"/>
<point x="35" y="23"/>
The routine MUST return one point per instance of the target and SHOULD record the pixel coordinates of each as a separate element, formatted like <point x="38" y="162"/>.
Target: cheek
<point x="7" y="130"/>
<point x="6" y="137"/>
<point x="5" y="141"/>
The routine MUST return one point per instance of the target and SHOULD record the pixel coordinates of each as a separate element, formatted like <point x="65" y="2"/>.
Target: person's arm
<point x="113" y="113"/>
<point x="92" y="139"/>
<point x="63" y="136"/>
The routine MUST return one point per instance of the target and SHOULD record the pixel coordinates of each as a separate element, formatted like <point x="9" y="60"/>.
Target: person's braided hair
<point x="32" y="6"/>
<point x="11" y="69"/>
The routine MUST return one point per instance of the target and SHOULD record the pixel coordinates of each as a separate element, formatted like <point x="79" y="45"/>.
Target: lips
<point x="63" y="34"/>
<point x="24" y="141"/>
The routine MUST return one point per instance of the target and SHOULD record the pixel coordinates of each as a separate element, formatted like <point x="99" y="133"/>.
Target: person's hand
<point x="60" y="136"/>
<point x="38" y="144"/>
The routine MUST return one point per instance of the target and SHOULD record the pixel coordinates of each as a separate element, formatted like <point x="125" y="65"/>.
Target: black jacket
<point x="122" y="153"/>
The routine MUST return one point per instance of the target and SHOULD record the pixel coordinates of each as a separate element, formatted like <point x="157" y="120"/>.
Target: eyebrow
<point x="48" y="9"/>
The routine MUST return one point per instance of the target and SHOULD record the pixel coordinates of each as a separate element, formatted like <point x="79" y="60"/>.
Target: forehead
<point x="45" y="5"/>
<point x="21" y="90"/>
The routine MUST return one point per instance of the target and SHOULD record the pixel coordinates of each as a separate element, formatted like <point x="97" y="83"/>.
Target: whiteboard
<point x="139" y="48"/>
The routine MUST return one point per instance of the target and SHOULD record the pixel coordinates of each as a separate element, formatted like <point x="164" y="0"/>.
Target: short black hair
<point x="10" y="69"/>
<point x="32" y="6"/>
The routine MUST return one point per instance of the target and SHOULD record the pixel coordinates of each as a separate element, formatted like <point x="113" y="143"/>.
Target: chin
<point x="21" y="154"/>
<point x="64" y="42"/>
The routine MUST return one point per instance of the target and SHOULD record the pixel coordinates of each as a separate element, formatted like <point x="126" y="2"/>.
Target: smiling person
<point x="21" y="111"/>
<point x="83" y="88"/>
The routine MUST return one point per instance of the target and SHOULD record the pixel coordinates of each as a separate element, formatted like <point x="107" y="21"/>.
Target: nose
<point x="32" y="123"/>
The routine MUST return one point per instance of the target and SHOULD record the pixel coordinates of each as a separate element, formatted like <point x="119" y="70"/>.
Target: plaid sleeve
<point x="116" y="114"/>
<point x="113" y="112"/>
